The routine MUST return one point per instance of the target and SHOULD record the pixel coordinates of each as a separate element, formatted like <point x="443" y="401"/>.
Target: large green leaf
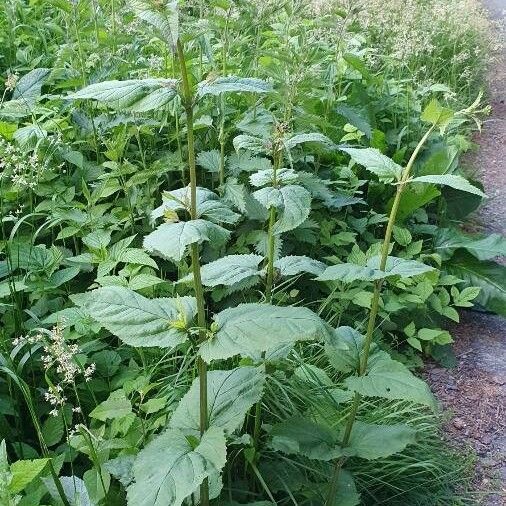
<point x="139" y="321"/>
<point x="343" y="349"/>
<point x="169" y="469"/>
<point x="348" y="272"/>
<point x="24" y="472"/>
<point x="414" y="197"/>
<point x="452" y="180"/>
<point x="163" y="16"/>
<point x="170" y="240"/>
<point x="483" y="248"/>
<point x="376" y="162"/>
<point x="230" y="395"/>
<point x="115" y="406"/>
<point x="400" y="267"/>
<point x="347" y="494"/>
<point x="208" y="204"/>
<point x="292" y="201"/>
<point x="301" y="436"/>
<point x="319" y="138"/>
<point x="229" y="270"/>
<point x="233" y="84"/>
<point x="135" y="95"/>
<point x="29" y="87"/>
<point x="371" y="441"/>
<point x="390" y="379"/>
<point x="250" y="329"/>
<point x="270" y="177"/>
<point x="293" y="265"/>
<point x="489" y="276"/>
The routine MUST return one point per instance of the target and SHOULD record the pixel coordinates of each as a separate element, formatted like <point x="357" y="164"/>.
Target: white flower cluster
<point x="23" y="170"/>
<point x="59" y="354"/>
<point x="11" y="81"/>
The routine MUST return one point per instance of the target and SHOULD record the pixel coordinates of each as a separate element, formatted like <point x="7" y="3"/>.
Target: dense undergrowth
<point x="230" y="231"/>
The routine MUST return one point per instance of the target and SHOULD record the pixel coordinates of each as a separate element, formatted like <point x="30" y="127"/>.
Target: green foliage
<point x="251" y="329"/>
<point x="177" y="474"/>
<point x="211" y="135"/>
<point x="139" y="321"/>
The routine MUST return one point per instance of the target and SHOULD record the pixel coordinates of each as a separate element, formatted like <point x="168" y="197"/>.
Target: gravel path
<point x="474" y="393"/>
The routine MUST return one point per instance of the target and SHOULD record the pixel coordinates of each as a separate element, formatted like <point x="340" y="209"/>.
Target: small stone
<point x="458" y="423"/>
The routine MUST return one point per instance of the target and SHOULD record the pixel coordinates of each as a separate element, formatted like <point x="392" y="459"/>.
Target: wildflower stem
<point x="195" y="258"/>
<point x="371" y="324"/>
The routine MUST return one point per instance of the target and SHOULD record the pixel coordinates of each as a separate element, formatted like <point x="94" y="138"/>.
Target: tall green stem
<point x="195" y="258"/>
<point x="371" y="324"/>
<point x="271" y="238"/>
<point x="269" y="282"/>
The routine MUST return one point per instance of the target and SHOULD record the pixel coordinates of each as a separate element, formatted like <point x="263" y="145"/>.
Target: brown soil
<point x="474" y="392"/>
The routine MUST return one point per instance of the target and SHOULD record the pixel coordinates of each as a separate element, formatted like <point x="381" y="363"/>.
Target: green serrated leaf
<point x="230" y="395"/>
<point x="233" y="84"/>
<point x="376" y="162"/>
<point x="229" y="270"/>
<point x="24" y="472"/>
<point x="452" y="180"/>
<point x="139" y="321"/>
<point x="319" y="138"/>
<point x="170" y="240"/>
<point x="116" y="406"/>
<point x="390" y="379"/>
<point x="250" y="329"/>
<point x="301" y="436"/>
<point x="134" y="95"/>
<point x="163" y="16"/>
<point x="293" y="265"/>
<point x="169" y="469"/>
<point x="371" y="441"/>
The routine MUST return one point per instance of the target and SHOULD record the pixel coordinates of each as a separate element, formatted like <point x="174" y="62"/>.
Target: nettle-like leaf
<point x="452" y="180"/>
<point x="134" y="95"/>
<point x="29" y="86"/>
<point x="348" y="272"/>
<point x="256" y="145"/>
<point x="292" y="201"/>
<point x="229" y="270"/>
<point x="376" y="162"/>
<point x="250" y="329"/>
<point x="136" y="320"/>
<point x="23" y="472"/>
<point x="400" y="267"/>
<point x="209" y="205"/>
<point x="301" y="436"/>
<point x="230" y="395"/>
<point x="209" y="160"/>
<point x="266" y="177"/>
<point x="163" y="16"/>
<point x="346" y="495"/>
<point x="390" y="379"/>
<point x="371" y="441"/>
<point x="343" y="349"/>
<point x="170" y="468"/>
<point x="245" y="162"/>
<point x="293" y="265"/>
<point x="319" y="138"/>
<point x="437" y="115"/>
<point x="170" y="240"/>
<point x="233" y="84"/>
